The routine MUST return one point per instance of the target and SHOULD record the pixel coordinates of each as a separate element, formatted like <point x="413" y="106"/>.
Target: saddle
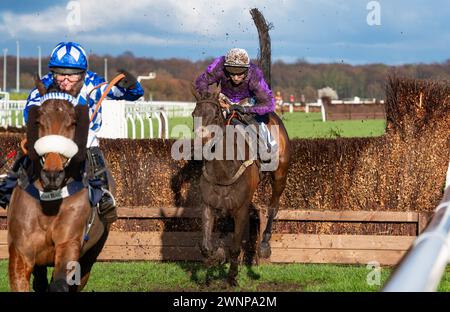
<point x="238" y="119"/>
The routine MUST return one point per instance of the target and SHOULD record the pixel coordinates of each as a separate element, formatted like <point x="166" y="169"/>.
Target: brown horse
<point x="227" y="185"/>
<point x="50" y="228"/>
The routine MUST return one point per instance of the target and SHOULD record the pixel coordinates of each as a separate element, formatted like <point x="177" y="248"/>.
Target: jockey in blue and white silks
<point x="68" y="75"/>
<point x="90" y="81"/>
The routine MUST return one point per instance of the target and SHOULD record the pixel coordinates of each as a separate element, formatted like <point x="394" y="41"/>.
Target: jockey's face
<point x="237" y="75"/>
<point x="237" y="78"/>
<point x="66" y="82"/>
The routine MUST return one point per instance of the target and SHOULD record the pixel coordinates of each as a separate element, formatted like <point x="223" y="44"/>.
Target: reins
<point x="236" y="176"/>
<point x="111" y="84"/>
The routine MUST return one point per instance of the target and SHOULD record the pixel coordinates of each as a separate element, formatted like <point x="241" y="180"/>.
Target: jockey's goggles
<point x="71" y="77"/>
<point x="235" y="71"/>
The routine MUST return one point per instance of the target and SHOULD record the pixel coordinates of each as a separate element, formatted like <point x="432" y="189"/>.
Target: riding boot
<point x="98" y="170"/>
<point x="107" y="207"/>
<point x="9" y="182"/>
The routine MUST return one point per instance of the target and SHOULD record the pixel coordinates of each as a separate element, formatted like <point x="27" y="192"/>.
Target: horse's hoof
<point x="59" y="286"/>
<point x="232" y="281"/>
<point x="40" y="284"/>
<point x="265" y="251"/>
<point x="220" y="256"/>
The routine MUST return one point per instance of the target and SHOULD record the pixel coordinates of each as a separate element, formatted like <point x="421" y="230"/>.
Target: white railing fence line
<point x="121" y="117"/>
<point x="116" y="116"/>
<point x="11" y="113"/>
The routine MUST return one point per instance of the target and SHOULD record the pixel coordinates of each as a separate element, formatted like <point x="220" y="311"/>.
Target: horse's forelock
<point x="57" y="105"/>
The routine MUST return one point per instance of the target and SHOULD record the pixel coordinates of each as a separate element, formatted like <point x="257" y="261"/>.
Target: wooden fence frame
<point x="354" y="111"/>
<point x="286" y="248"/>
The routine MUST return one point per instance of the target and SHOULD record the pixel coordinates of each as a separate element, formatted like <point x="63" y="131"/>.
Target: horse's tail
<point x="264" y="43"/>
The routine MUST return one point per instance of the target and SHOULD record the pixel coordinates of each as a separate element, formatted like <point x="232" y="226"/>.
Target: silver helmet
<point x="237" y="57"/>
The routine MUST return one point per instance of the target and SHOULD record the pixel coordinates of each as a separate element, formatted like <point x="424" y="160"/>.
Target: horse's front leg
<point x="240" y="221"/>
<point x="278" y="185"/>
<point x="206" y="247"/>
<point x="40" y="282"/>
<point x="66" y="266"/>
<point x="20" y="269"/>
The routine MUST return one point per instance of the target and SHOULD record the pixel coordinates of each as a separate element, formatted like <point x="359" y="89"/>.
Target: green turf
<point x="190" y="276"/>
<point x="303" y="125"/>
<point x="298" y="125"/>
<point x="173" y="122"/>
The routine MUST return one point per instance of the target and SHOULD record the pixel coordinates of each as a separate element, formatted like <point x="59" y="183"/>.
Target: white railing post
<point x="148" y="116"/>
<point x="322" y="109"/>
<point x="166" y="124"/>
<point x="158" y="118"/>
<point x="141" y="122"/>
<point x="424" y="265"/>
<point x="133" y="126"/>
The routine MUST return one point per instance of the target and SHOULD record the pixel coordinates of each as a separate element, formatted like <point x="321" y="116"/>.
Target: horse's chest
<point x="225" y="198"/>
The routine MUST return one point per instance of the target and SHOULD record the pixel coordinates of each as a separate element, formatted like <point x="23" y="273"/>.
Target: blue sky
<point x="319" y="31"/>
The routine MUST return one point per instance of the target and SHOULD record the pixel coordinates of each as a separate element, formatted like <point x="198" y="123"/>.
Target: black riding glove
<point x="238" y="108"/>
<point x="128" y="82"/>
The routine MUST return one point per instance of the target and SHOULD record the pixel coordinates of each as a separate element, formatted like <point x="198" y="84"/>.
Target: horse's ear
<point x="194" y="92"/>
<point x="39" y="85"/>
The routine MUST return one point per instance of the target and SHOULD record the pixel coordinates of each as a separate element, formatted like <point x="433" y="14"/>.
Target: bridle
<point x="49" y="143"/>
<point x="218" y="118"/>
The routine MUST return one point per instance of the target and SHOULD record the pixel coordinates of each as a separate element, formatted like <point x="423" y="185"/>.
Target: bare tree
<point x="264" y="43"/>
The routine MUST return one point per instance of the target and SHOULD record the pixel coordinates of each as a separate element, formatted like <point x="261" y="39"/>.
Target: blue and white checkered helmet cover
<point x="68" y="55"/>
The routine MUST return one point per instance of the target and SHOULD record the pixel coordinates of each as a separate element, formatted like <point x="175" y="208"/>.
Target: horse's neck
<point x="225" y="168"/>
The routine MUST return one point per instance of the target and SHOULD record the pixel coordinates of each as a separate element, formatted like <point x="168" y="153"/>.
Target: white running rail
<point x="121" y="119"/>
<point x="424" y="265"/>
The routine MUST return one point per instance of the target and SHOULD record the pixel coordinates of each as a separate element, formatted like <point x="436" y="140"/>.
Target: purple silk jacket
<point x="254" y="86"/>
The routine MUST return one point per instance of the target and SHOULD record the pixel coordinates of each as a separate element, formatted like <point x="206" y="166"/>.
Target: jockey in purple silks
<point x="239" y="79"/>
<point x="243" y="88"/>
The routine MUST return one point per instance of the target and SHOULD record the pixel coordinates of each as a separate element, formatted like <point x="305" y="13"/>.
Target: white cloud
<point x="207" y="18"/>
<point x="120" y="39"/>
<point x="20" y="24"/>
<point x="320" y="29"/>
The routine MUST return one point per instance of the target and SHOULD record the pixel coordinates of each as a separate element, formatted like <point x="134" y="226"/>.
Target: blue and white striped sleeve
<point x="116" y="92"/>
<point x="119" y="93"/>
